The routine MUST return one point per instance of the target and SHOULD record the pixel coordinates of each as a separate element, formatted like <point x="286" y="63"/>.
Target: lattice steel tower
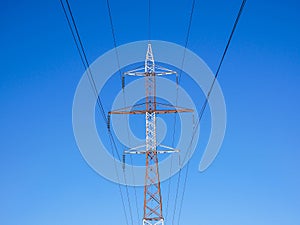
<point x="153" y="214"/>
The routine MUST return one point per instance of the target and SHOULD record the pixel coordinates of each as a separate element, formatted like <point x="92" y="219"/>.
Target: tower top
<point x="149" y="61"/>
<point x="150" y="67"/>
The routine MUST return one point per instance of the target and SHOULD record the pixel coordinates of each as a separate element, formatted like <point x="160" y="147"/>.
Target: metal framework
<point x="152" y="191"/>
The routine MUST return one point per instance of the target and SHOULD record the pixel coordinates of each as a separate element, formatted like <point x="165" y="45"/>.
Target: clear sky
<point x="254" y="180"/>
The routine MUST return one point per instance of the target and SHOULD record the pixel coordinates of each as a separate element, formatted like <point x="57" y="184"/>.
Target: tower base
<point x="149" y="222"/>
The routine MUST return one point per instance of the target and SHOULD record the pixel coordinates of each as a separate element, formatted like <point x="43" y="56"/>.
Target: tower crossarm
<point x="154" y="111"/>
<point x="160" y="71"/>
<point x="161" y="149"/>
<point x="139" y="109"/>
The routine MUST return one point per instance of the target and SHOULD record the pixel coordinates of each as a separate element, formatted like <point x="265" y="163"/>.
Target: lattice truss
<point x="152" y="192"/>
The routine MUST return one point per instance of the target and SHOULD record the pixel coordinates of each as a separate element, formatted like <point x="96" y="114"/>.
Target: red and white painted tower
<point x="153" y="214"/>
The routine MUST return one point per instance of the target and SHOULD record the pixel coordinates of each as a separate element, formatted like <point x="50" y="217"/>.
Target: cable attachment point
<point x="123" y="82"/>
<point x="123" y="158"/>
<point x="108" y="121"/>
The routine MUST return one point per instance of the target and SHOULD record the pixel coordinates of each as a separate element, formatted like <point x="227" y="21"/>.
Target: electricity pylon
<point x="152" y="191"/>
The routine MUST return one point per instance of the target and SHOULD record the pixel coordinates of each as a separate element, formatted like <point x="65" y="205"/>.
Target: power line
<point x="124" y="100"/>
<point x="73" y="35"/>
<point x="187" y="38"/>
<point x="207" y="97"/>
<point x="114" y="36"/>
<point x="149" y="20"/>
<point x="175" y="116"/>
<point x="85" y="62"/>
<point x="86" y="65"/>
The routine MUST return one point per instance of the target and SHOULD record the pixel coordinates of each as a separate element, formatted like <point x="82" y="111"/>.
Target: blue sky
<point x="255" y="178"/>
